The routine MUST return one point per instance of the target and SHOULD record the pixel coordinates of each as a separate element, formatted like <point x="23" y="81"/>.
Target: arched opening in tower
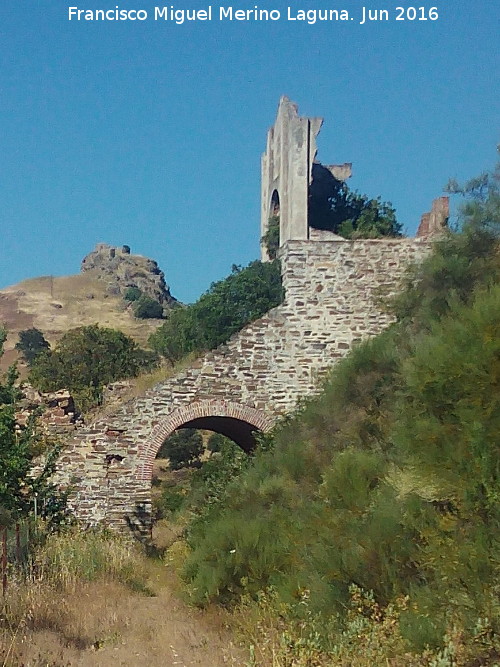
<point x="275" y="205"/>
<point x="272" y="235"/>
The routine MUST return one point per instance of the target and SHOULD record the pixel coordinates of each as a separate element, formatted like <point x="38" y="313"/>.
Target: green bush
<point x="31" y="343"/>
<point x="219" y="443"/>
<point x="20" y="446"/>
<point x="271" y="238"/>
<point x="223" y="310"/>
<point x="147" y="308"/>
<point x="87" y="358"/>
<point x="132" y="294"/>
<point x="183" y="448"/>
<point x="333" y="206"/>
<point x="389" y="479"/>
<point x="170" y="501"/>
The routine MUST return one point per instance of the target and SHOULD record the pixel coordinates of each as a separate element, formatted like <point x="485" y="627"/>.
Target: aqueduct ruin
<point x="332" y="288"/>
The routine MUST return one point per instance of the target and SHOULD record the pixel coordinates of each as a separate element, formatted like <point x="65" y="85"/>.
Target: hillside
<point x="56" y="304"/>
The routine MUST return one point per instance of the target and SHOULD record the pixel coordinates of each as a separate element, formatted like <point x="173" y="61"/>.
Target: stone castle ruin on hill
<point x="332" y="288"/>
<point x="119" y="269"/>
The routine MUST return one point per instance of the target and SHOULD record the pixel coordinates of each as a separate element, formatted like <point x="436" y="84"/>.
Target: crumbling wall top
<point x="436" y="220"/>
<point x="287" y="172"/>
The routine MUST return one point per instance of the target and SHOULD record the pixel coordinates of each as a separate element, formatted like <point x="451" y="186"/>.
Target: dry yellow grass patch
<point x="79" y="609"/>
<point x="55" y="305"/>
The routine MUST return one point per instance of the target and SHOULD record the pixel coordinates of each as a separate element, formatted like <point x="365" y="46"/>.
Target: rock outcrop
<point x="121" y="270"/>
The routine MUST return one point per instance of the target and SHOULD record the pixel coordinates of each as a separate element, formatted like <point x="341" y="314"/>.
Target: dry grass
<point x="75" y="591"/>
<point x="55" y="305"/>
<point x="82" y="607"/>
<point x="90" y="616"/>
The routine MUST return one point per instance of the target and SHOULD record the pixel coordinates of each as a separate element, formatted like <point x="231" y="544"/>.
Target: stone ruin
<point x="289" y="168"/>
<point x="436" y="220"/>
<point x="333" y="289"/>
<point x="121" y="270"/>
<point x="59" y="414"/>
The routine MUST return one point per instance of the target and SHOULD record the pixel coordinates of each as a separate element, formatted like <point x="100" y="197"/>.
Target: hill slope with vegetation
<point x="365" y="530"/>
<point x="54" y="305"/>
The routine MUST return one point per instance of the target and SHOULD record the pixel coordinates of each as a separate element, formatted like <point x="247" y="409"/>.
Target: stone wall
<point x="332" y="292"/>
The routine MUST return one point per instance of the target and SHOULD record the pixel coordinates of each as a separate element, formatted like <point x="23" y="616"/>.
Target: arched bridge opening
<point x="238" y="422"/>
<point x="240" y="432"/>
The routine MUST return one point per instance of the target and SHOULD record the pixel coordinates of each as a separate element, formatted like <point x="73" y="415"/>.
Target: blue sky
<point x="150" y="133"/>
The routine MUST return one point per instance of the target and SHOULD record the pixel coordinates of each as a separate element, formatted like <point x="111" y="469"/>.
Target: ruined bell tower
<point x="287" y="167"/>
<point x="290" y="173"/>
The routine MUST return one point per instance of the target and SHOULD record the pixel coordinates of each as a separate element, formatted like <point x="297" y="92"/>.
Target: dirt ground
<point x="128" y="630"/>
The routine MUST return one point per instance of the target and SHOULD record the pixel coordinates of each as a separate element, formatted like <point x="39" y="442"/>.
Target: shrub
<point x="147" y="308"/>
<point x="20" y="445"/>
<point x="271" y="238"/>
<point x="132" y="294"/>
<point x="224" y="309"/>
<point x="335" y="207"/>
<point x="31" y="343"/>
<point x="183" y="448"/>
<point x="218" y="443"/>
<point x="87" y="358"/>
<point x="388" y="479"/>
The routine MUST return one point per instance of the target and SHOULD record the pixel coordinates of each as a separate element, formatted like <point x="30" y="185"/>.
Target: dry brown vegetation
<point x="94" y="600"/>
<point x="55" y="305"/>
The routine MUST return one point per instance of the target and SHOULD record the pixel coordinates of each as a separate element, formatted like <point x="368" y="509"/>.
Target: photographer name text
<point x="179" y="16"/>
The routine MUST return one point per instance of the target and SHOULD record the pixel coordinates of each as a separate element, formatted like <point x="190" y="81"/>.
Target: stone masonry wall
<point x="331" y="287"/>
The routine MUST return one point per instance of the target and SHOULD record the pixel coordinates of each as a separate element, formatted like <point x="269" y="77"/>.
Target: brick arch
<point x="195" y="414"/>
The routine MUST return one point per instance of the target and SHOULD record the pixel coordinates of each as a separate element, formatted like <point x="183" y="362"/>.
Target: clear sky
<point x="150" y="133"/>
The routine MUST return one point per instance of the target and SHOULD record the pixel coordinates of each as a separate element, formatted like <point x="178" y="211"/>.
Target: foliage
<point x="19" y="446"/>
<point x="334" y="207"/>
<point x="87" y="358"/>
<point x="132" y="294"/>
<point x="218" y="443"/>
<point x="211" y="481"/>
<point x="31" y="343"/>
<point x="72" y="556"/>
<point x="183" y="448"/>
<point x="369" y="218"/>
<point x="460" y="263"/>
<point x="389" y="480"/>
<point x="283" y="634"/>
<point x="146" y="308"/>
<point x="224" y="309"/>
<point x="169" y="501"/>
<point x="271" y="238"/>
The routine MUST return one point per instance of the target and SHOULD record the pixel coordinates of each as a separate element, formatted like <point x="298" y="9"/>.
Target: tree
<point x="146" y="308"/>
<point x="132" y="294"/>
<point x="31" y="343"/>
<point x="178" y="336"/>
<point x="218" y="443"/>
<point x="246" y="294"/>
<point x="461" y="263"/>
<point x="183" y="448"/>
<point x="19" y="445"/>
<point x="336" y="208"/>
<point x="87" y="358"/>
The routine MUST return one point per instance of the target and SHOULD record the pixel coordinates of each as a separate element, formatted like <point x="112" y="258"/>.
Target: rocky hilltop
<point x="56" y="304"/>
<point x="119" y="269"/>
